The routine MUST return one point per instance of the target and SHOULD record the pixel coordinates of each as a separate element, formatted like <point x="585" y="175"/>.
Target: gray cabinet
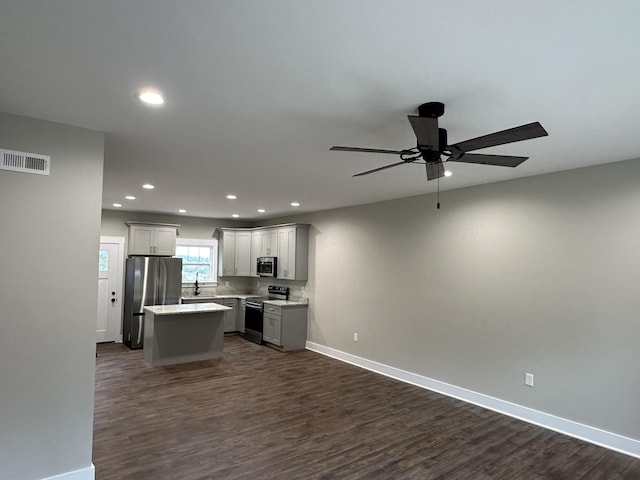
<point x="256" y="248"/>
<point x="239" y="249"/>
<point x="285" y="327"/>
<point x="269" y="243"/>
<point x="152" y="239"/>
<point x="234" y="258"/>
<point x="233" y="319"/>
<point x="264" y="243"/>
<point x="272" y="325"/>
<point x="230" y="316"/>
<point x="293" y="252"/>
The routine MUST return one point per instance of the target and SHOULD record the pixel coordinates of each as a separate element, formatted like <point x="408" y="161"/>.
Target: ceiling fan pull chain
<point x="438" y="204"/>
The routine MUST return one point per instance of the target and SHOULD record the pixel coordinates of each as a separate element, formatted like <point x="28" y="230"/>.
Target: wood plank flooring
<point x="260" y="414"/>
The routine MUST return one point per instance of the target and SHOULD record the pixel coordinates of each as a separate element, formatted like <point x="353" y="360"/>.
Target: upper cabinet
<point x="152" y="239"/>
<point x="256" y="251"/>
<point x="234" y="253"/>
<point x="240" y="248"/>
<point x="243" y="254"/>
<point x="268" y="242"/>
<point x="293" y="252"/>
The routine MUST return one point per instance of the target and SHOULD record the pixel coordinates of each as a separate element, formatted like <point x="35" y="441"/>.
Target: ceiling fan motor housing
<point x="431" y="109"/>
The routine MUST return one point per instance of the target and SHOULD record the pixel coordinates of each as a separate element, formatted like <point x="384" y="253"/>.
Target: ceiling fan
<point x="432" y="144"/>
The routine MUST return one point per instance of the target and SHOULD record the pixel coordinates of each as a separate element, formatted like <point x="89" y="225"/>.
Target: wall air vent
<point x="24" y="162"/>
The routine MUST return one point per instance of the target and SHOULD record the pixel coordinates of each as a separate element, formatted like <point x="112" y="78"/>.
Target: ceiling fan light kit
<point x="432" y="144"/>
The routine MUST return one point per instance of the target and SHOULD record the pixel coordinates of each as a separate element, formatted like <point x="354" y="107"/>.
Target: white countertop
<point x="286" y="303"/>
<point x="212" y="298"/>
<point x="278" y="303"/>
<point x="235" y="295"/>
<point x="186" y="308"/>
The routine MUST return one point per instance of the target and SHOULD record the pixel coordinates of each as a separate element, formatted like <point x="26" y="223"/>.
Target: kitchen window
<point x="199" y="260"/>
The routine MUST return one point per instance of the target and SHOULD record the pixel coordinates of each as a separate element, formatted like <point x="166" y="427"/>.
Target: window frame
<point x="199" y="242"/>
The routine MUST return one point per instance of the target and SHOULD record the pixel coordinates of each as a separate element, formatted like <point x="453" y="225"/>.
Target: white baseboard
<point x="612" y="441"/>
<point x="88" y="473"/>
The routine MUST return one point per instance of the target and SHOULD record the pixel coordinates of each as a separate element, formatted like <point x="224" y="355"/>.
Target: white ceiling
<point x="258" y="91"/>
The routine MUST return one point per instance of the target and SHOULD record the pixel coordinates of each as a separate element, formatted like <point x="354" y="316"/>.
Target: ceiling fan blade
<point x="426" y="130"/>
<point x="365" y="150"/>
<point x="516" y="134"/>
<point x="379" y="168"/>
<point x="435" y="170"/>
<point x="498" y="160"/>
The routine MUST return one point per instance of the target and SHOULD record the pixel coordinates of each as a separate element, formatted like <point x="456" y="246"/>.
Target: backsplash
<point x="237" y="285"/>
<point x="246" y="285"/>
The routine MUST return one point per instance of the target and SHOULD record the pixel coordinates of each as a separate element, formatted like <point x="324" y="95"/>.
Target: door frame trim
<point x="119" y="280"/>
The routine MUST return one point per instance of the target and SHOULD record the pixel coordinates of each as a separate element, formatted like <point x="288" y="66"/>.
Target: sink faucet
<point x="197" y="290"/>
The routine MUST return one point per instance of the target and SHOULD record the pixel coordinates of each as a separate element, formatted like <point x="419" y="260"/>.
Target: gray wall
<point x="535" y="275"/>
<point x="48" y="297"/>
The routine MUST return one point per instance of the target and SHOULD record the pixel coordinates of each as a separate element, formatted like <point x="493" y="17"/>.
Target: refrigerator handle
<point x="161" y="293"/>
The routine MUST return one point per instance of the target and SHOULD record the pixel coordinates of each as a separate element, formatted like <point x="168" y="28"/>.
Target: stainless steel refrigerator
<point x="148" y="281"/>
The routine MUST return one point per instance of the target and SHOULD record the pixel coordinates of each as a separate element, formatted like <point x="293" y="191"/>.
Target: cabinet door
<point x="165" y="241"/>
<point x="228" y="254"/>
<point x="268" y="328"/>
<point x="273" y="242"/>
<point x="243" y="254"/>
<point x="269" y="243"/>
<point x="287" y="253"/>
<point x="271" y="329"/>
<point x="140" y="240"/>
<point x="256" y="251"/>
<point x="230" y="315"/>
<point x="273" y="321"/>
<point x="277" y="329"/>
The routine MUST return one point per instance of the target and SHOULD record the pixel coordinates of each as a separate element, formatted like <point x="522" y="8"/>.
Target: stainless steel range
<point x="254" y="309"/>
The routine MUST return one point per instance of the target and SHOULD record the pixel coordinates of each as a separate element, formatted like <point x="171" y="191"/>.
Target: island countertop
<point x="184" y="308"/>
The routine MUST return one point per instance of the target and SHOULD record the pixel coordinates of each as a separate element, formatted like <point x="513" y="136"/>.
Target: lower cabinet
<point x="271" y="328"/>
<point x="285" y="327"/>
<point x="230" y="315"/>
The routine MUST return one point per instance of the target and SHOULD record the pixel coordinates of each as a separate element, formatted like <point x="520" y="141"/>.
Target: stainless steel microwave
<point x="267" y="266"/>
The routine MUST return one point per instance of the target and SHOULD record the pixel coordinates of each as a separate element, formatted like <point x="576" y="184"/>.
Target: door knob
<point x="113" y="300"/>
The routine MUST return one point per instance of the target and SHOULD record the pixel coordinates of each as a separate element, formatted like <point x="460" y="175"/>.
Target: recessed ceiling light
<point x="150" y="97"/>
<point x="182" y="210"/>
<point x="295" y="204"/>
<point x="261" y="210"/>
<point x="117" y="205"/>
<point x="130" y="197"/>
<point x="235" y="215"/>
<point x="148" y="186"/>
<point x="447" y="173"/>
<point x="231" y="197"/>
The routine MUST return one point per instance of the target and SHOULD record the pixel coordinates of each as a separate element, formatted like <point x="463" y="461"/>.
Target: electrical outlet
<point x="226" y="284"/>
<point x="355" y="337"/>
<point x="528" y="379"/>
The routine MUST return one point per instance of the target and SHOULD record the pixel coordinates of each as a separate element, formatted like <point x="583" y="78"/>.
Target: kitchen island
<point x="183" y="333"/>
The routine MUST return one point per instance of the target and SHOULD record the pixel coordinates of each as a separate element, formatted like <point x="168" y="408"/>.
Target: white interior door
<point x="110" y="263"/>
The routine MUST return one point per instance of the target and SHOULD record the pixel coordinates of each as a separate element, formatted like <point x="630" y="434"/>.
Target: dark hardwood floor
<point x="261" y="414"/>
